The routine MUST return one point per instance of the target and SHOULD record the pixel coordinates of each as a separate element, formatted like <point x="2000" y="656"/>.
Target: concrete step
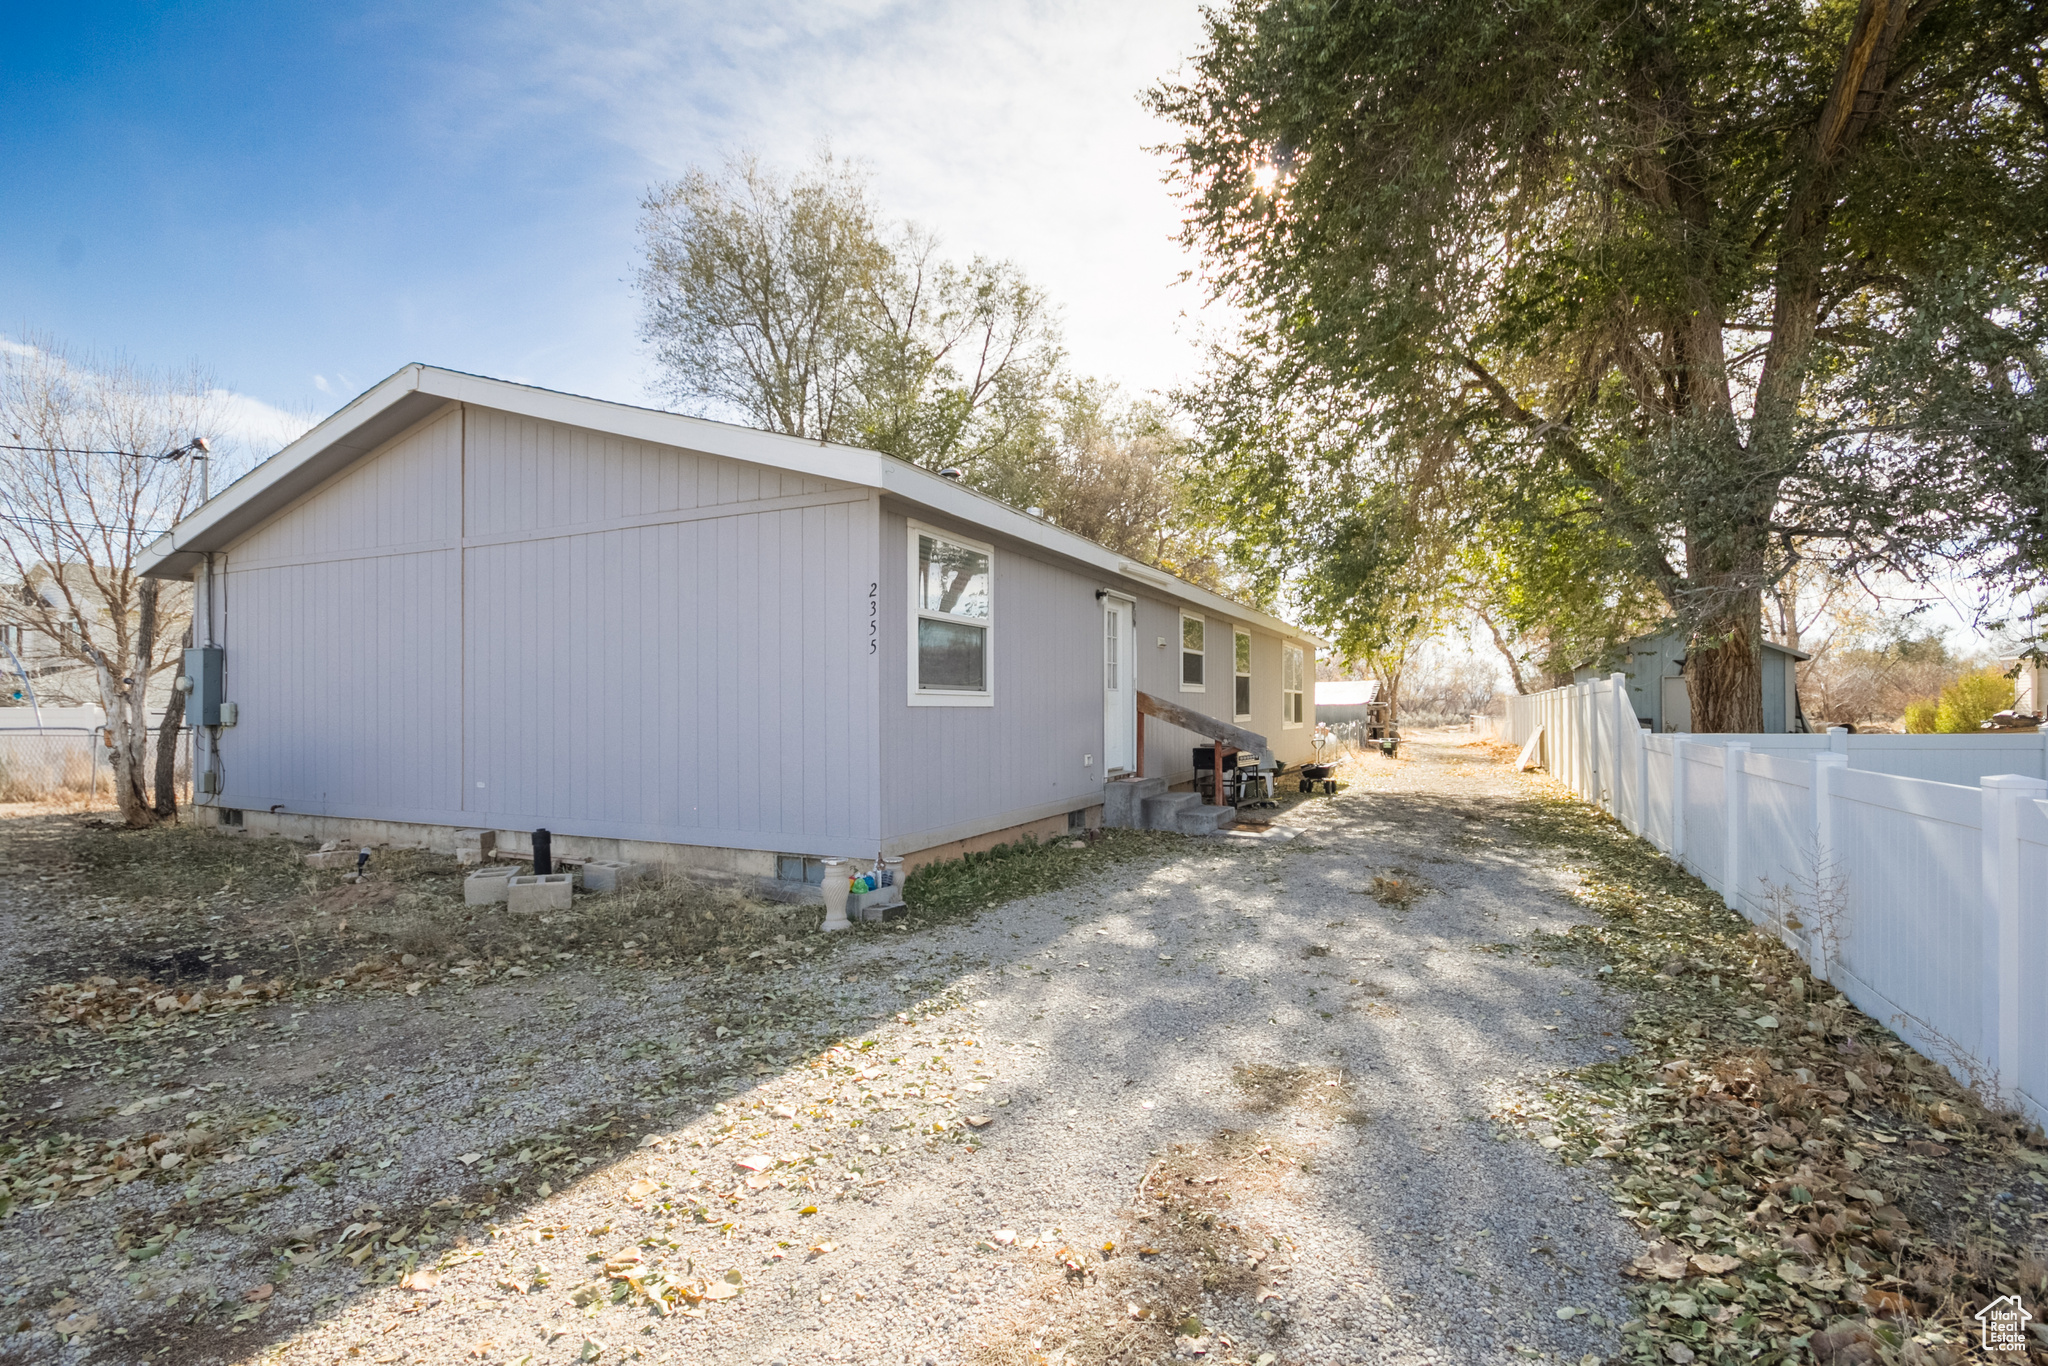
<point x="1206" y="820"/>
<point x="1123" y="801"/>
<point x="1163" y="811"/>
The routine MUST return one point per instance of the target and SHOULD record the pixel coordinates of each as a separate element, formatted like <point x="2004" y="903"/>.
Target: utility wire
<point x="178" y="453"/>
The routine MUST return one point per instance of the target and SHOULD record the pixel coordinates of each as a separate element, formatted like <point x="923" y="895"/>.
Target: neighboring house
<point x="2030" y="685"/>
<point x="1655" y="666"/>
<point x="59" y="677"/>
<point x="463" y="603"/>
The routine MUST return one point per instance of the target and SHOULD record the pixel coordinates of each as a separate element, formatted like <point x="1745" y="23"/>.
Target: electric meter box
<point x="203" y="667"/>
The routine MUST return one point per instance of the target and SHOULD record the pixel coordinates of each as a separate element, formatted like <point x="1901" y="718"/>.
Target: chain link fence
<point x="72" y="764"/>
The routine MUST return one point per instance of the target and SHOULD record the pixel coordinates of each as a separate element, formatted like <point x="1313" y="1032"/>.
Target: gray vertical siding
<point x="948" y="772"/>
<point x="1169" y="750"/>
<point x="952" y="771"/>
<point x="339" y="619"/>
<point x="612" y="638"/>
<point x="503" y="622"/>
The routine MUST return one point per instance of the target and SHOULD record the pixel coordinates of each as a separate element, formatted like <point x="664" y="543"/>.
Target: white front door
<point x="1119" y="691"/>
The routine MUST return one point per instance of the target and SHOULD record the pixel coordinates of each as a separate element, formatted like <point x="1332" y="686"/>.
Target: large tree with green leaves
<point x="790" y="302"/>
<point x="1730" y="281"/>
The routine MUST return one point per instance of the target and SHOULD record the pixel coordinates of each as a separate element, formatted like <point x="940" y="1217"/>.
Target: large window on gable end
<point x="1192" y="660"/>
<point x="952" y="612"/>
<point x="1242" y="647"/>
<point x="1293" y="671"/>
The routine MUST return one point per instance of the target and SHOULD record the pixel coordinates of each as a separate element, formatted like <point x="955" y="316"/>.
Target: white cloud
<point x="256" y="426"/>
<point x="1013" y="131"/>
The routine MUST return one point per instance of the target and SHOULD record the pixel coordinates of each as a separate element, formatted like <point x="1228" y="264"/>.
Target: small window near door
<point x="1191" y="658"/>
<point x="951" y="615"/>
<point x="1243" y="655"/>
<point x="1112" y="666"/>
<point x="1293" y="670"/>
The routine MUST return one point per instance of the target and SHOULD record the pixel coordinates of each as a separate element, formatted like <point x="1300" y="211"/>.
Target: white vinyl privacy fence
<point x="1911" y="871"/>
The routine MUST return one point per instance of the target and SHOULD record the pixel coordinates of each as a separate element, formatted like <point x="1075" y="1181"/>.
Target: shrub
<point x="1920" y="717"/>
<point x="1971" y="700"/>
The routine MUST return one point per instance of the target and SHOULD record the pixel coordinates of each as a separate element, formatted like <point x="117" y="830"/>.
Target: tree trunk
<point x="167" y="758"/>
<point x="1724" y="674"/>
<point x="126" y="719"/>
<point x="1514" y="665"/>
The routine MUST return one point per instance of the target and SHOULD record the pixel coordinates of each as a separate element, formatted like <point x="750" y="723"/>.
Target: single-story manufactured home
<point x="464" y="604"/>
<point x="1655" y="666"/>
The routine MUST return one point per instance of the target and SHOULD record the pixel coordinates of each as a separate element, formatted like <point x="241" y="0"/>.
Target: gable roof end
<point x="418" y="391"/>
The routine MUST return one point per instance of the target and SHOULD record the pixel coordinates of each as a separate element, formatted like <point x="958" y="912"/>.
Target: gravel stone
<point x="1108" y="1023"/>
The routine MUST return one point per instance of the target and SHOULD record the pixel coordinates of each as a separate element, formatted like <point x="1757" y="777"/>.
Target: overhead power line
<point x="198" y="446"/>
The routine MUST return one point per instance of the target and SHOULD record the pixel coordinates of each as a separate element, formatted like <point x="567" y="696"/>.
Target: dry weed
<point x="1130" y="1298"/>
<point x="1399" y="891"/>
<point x="1267" y="1089"/>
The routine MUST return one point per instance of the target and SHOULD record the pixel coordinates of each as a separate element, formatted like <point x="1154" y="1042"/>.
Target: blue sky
<point x="303" y="198"/>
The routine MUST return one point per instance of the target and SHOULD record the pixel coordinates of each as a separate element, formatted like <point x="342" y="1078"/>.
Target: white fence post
<point x="1622" y="711"/>
<point x="1826" y="927"/>
<point x="1735" y="788"/>
<point x="1642" y="739"/>
<point x="1678" y="766"/>
<point x="2003" y="793"/>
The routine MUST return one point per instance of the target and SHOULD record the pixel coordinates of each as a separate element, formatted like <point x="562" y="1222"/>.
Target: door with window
<point x="1119" y="690"/>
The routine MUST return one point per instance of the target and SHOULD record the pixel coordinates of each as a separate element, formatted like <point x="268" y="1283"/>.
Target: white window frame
<point x="948" y="698"/>
<point x="1203" y="653"/>
<point x="1238" y="633"/>
<point x="1292" y="717"/>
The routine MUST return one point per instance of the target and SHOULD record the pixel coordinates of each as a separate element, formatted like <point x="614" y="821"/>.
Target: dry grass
<point x="1265" y="1089"/>
<point x="1399" y="891"/>
<point x="1186" y="1235"/>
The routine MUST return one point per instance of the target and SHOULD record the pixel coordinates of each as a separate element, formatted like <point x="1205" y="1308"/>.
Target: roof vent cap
<point x="953" y="472"/>
<point x="1036" y="512"/>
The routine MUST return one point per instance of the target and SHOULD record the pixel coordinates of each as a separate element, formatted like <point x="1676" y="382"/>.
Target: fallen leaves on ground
<point x="101" y="1002"/>
<point x="1812" y="1186"/>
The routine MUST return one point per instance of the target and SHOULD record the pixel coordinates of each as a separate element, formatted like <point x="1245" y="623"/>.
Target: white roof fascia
<point x="208" y="528"/>
<point x="194" y="533"/>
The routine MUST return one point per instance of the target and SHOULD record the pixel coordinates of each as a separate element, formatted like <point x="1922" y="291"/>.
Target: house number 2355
<point x="873" y="624"/>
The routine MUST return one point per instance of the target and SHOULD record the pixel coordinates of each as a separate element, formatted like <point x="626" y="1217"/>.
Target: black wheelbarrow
<point x="1319" y="775"/>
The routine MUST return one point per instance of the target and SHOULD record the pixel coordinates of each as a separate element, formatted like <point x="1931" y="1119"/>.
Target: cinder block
<point x="487" y="884"/>
<point x="542" y="892"/>
<point x="474" y="846"/>
<point x="610" y="875"/>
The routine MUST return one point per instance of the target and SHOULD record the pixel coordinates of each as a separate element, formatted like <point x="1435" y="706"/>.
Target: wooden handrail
<point x="1222" y="732"/>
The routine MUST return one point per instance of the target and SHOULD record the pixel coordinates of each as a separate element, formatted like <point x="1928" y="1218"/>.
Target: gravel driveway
<point x="1238" y="1101"/>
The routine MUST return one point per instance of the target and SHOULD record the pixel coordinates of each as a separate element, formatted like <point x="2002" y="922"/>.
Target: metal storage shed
<point x="1655" y="665"/>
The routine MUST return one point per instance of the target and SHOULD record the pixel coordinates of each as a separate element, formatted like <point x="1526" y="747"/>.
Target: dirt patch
<point x="1266" y="1089"/>
<point x="1192" y="1237"/>
<point x="1398" y="889"/>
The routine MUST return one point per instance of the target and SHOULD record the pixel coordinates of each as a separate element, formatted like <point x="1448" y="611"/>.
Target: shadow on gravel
<point x="454" y="1069"/>
<point x="199" y="1182"/>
